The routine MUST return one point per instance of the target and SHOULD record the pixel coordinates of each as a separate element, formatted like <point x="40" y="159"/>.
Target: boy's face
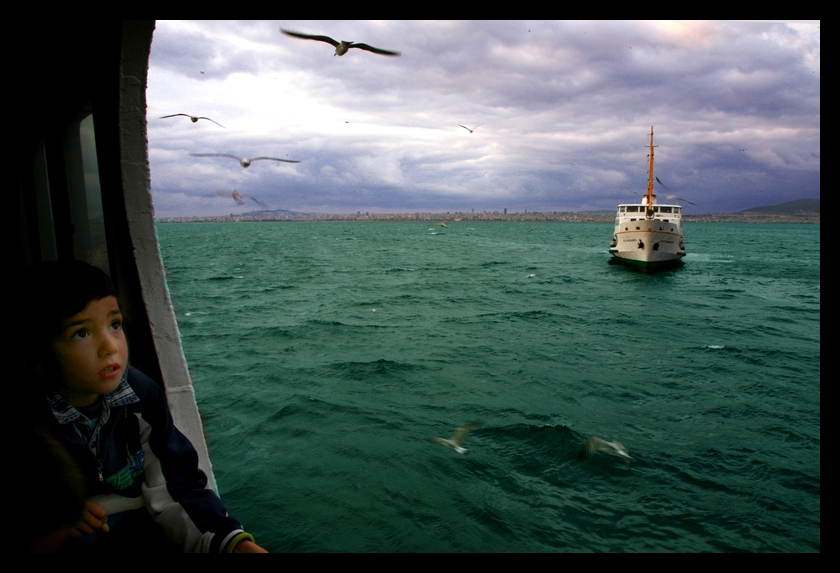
<point x="91" y="352"/>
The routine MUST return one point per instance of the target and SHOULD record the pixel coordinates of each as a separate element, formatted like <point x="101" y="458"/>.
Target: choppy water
<point x="324" y="356"/>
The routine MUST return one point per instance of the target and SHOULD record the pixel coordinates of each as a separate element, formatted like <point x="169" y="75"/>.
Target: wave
<point x="381" y="368"/>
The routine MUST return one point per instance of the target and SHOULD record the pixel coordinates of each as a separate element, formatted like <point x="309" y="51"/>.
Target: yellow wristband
<point x="237" y="539"/>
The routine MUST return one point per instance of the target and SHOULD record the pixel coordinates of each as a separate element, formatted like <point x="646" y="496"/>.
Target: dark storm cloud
<point x="565" y="107"/>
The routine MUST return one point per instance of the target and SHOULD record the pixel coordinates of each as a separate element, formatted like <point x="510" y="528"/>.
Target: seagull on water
<point x="593" y="445"/>
<point x="243" y="161"/>
<point x="193" y="118"/>
<point x="456" y="440"/>
<point x="238" y="197"/>
<point x="342" y="47"/>
<point x="470" y="130"/>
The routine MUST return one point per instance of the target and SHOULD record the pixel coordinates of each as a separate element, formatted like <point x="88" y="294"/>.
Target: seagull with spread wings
<point x="342" y="47"/>
<point x="470" y="130"/>
<point x="238" y="197"/>
<point x="193" y="118"/>
<point x="593" y="445"/>
<point x="457" y="439"/>
<point x="671" y="195"/>
<point x="243" y="161"/>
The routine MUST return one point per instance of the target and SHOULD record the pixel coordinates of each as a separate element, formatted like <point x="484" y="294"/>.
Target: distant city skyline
<point x="562" y="109"/>
<point x="798" y="211"/>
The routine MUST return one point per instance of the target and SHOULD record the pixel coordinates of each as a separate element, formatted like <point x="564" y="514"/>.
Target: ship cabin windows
<point x="642" y="208"/>
<point x="62" y="215"/>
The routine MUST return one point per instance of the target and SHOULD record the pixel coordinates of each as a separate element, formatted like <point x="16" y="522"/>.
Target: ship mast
<point x="650" y="196"/>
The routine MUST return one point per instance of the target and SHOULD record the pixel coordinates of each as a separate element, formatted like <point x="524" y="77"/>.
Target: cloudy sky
<point x="564" y="110"/>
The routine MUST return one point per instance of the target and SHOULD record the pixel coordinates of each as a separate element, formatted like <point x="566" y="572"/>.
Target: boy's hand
<point x="93" y="517"/>
<point x="248" y="546"/>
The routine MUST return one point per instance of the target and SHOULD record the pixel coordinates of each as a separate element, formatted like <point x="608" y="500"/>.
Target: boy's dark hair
<point x="52" y="292"/>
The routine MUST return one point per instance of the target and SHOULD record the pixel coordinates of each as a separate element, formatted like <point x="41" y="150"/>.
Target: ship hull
<point x="648" y="248"/>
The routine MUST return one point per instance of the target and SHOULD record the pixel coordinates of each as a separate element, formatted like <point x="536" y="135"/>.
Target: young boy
<point x="113" y="419"/>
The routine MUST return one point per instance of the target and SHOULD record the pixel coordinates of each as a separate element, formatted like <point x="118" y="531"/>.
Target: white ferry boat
<point x="648" y="235"/>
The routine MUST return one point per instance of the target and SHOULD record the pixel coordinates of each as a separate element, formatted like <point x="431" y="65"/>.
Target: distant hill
<point x="800" y="206"/>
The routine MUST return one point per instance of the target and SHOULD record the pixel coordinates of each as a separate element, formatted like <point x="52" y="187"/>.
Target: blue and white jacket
<point x="134" y="456"/>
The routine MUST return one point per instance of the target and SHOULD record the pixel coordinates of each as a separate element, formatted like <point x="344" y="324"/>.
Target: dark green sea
<point x="325" y="354"/>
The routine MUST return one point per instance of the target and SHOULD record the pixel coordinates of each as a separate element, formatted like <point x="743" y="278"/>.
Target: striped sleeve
<point x="175" y="489"/>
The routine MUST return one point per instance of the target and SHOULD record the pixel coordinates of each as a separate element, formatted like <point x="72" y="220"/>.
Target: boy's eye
<point x="116" y="325"/>
<point x="79" y="334"/>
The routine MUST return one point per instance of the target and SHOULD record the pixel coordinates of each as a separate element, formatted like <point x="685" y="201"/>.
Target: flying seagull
<point x="671" y="195"/>
<point x="342" y="47"/>
<point x="193" y="118"/>
<point x="238" y="197"/>
<point x="243" y="161"/>
<point x="470" y="130"/>
<point x="445" y="222"/>
<point x="593" y="445"/>
<point x="456" y="440"/>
